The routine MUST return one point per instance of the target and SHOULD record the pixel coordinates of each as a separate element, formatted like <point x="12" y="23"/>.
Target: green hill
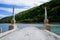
<point x="36" y="14"/>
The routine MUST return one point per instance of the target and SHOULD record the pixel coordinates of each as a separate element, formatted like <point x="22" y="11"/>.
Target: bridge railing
<point x="6" y="33"/>
<point x="53" y="34"/>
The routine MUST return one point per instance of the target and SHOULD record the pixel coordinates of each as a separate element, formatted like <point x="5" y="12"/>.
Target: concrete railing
<point x="6" y="33"/>
<point x="53" y="34"/>
<point x="0" y="30"/>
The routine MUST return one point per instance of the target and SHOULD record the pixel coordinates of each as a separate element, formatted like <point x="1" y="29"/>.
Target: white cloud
<point x="6" y="9"/>
<point x="1" y="16"/>
<point x="16" y="10"/>
<point x="23" y="2"/>
<point x="20" y="10"/>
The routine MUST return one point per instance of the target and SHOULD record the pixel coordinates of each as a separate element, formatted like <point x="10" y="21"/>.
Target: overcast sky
<point x="20" y="5"/>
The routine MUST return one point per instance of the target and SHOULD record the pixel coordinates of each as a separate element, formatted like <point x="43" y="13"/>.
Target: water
<point x="54" y="27"/>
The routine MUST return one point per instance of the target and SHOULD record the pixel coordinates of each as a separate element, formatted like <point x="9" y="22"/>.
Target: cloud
<point x="23" y="2"/>
<point x="10" y="10"/>
<point x="11" y="6"/>
<point x="1" y="16"/>
<point x="6" y="9"/>
<point x="20" y="10"/>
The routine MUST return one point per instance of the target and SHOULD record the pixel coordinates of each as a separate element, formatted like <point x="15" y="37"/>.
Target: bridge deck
<point x="29" y="33"/>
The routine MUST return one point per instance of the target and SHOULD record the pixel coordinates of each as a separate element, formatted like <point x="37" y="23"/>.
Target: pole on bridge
<point x="0" y="30"/>
<point x="13" y="21"/>
<point x="46" y="21"/>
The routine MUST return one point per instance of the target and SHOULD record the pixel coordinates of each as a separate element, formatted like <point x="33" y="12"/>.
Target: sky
<point x="6" y="6"/>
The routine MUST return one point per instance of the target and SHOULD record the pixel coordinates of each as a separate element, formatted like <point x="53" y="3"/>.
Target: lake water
<point x="54" y="27"/>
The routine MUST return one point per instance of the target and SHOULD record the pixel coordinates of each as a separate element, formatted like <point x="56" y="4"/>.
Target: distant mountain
<point x="36" y="14"/>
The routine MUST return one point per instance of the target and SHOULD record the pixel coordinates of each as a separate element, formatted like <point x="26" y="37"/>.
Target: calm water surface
<point x="54" y="27"/>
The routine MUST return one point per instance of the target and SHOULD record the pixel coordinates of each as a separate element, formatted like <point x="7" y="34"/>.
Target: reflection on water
<point x="54" y="27"/>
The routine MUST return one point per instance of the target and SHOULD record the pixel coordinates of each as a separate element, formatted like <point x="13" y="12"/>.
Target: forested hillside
<point x="36" y="14"/>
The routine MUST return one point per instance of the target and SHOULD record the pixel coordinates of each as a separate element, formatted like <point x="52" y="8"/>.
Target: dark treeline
<point x="36" y="14"/>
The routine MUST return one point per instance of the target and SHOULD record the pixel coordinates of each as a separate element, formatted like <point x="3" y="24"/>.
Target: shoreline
<point x="34" y="23"/>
